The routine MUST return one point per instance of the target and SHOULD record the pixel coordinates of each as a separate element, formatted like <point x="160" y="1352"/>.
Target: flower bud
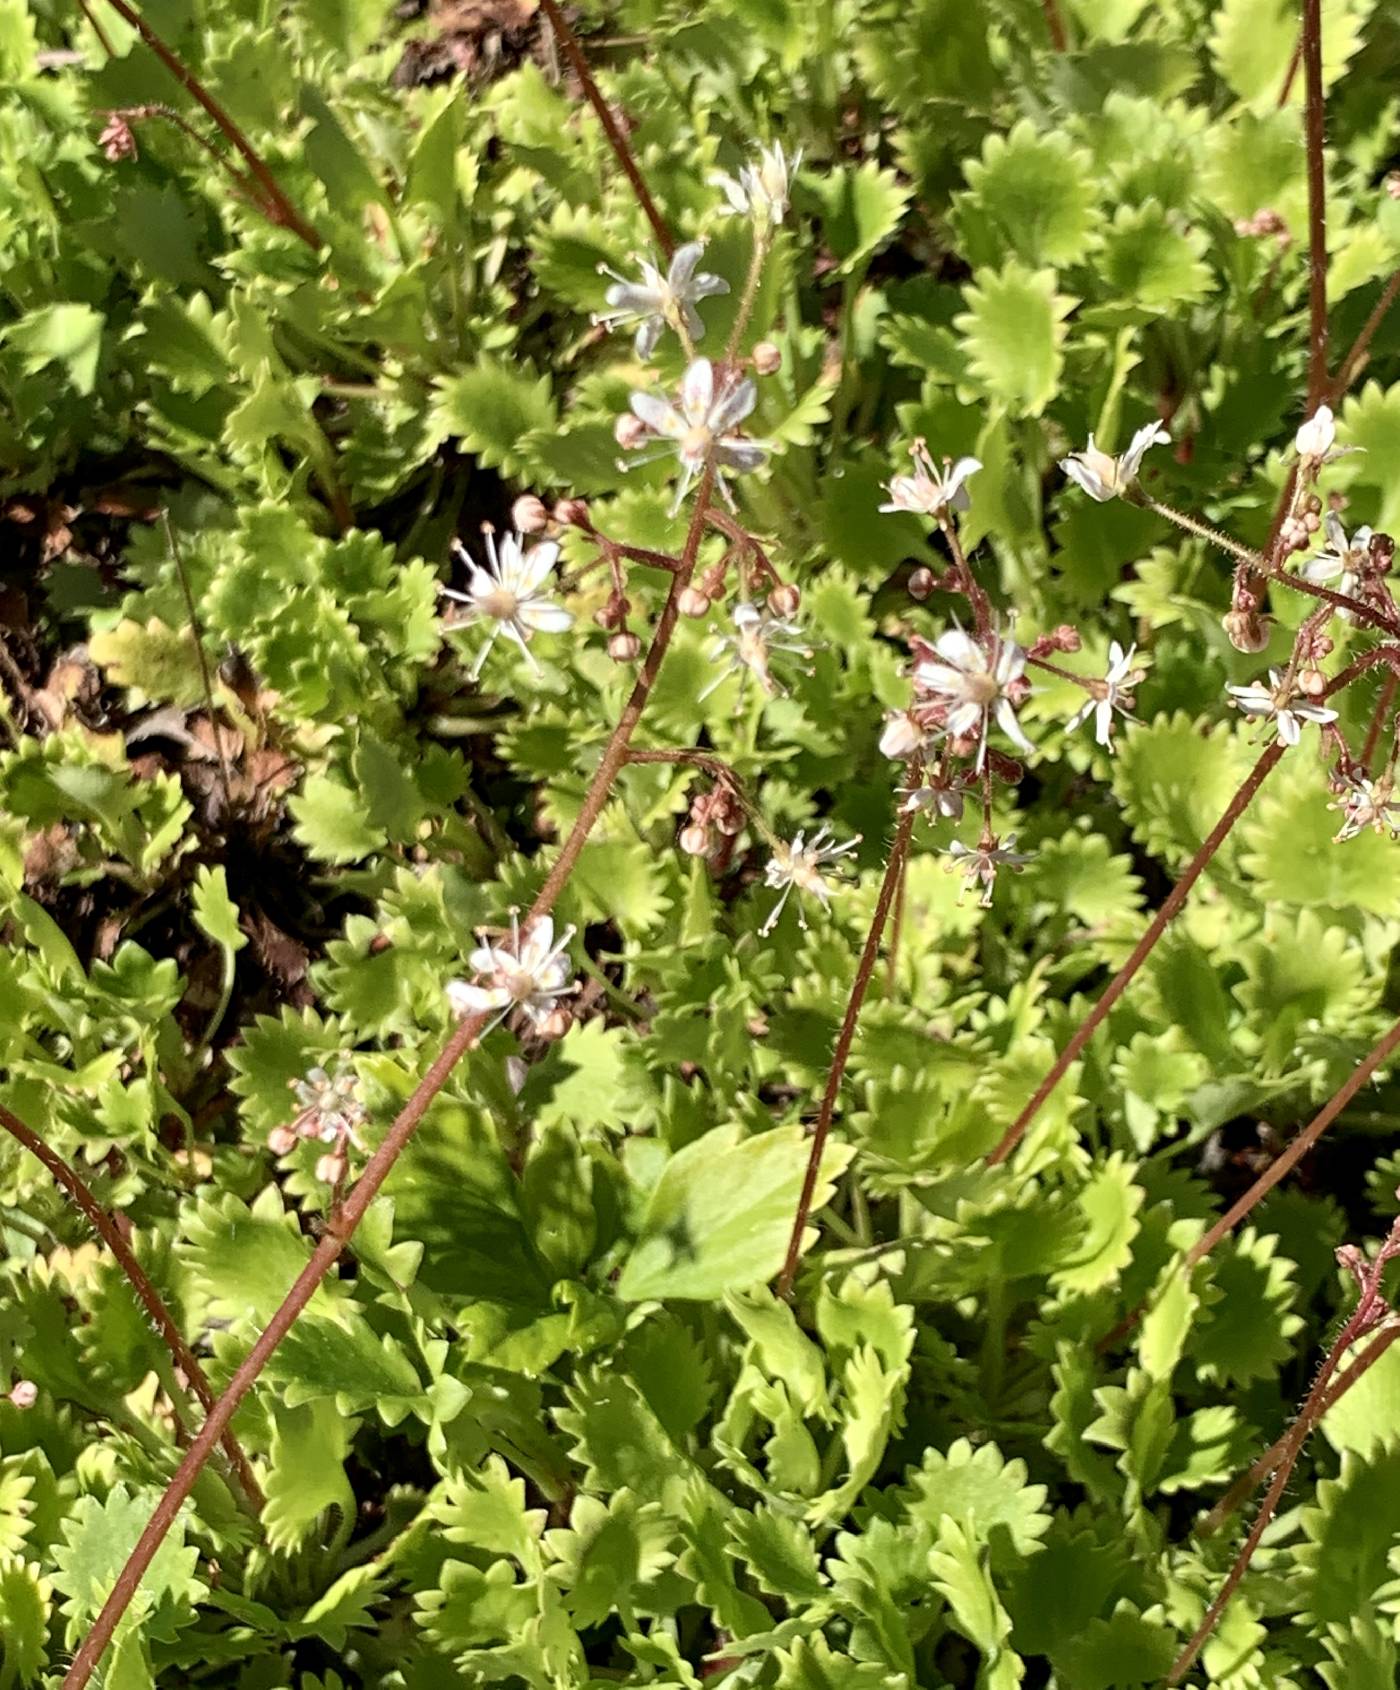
<point x="767" y="358"/>
<point x="1312" y="682"/>
<point x="1381" y="553"/>
<point x="1311" y="521"/>
<point x="785" y="599"/>
<point x="573" y="513"/>
<point x="529" y="514"/>
<point x="614" y="613"/>
<point x="281" y="1141"/>
<point x="693" y="602"/>
<point x="921" y="584"/>
<point x="629" y="431"/>
<point x="556" y="1023"/>
<point x="1245" y="630"/>
<point x="24" y="1394"/>
<point x="695" y="840"/>
<point x="332" y="1167"/>
<point x="624" y="647"/>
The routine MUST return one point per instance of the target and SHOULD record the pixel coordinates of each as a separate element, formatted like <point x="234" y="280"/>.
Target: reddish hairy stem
<point x="621" y="146"/>
<point x="150" y="1299"/>
<point x="277" y="208"/>
<point x="1313" y="119"/>
<point x="894" y="873"/>
<point x="1245" y="1485"/>
<point x="1141" y="951"/>
<point x="1277" y="1170"/>
<point x="1292" y="1446"/>
<point x="1055" y="23"/>
<point x="1354" y="359"/>
<point x="1378" y="716"/>
<point x="348" y="1216"/>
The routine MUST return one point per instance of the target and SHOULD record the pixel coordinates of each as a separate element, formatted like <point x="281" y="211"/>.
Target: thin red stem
<point x="1378" y="716"/>
<point x="621" y="146"/>
<point x="276" y="207"/>
<point x="150" y="1299"/>
<point x="1248" y="1482"/>
<point x="1055" y="23"/>
<point x="1351" y="364"/>
<point x="894" y="871"/>
<point x="1314" y="117"/>
<point x="1290" y="76"/>
<point x="1362" y="1316"/>
<point x="1141" y="951"/>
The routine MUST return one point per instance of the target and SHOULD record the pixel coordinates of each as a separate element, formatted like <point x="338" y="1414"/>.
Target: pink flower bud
<point x="624" y="648"/>
<point x="785" y="599"/>
<point x="1312" y="682"/>
<point x="614" y="613"/>
<point x="629" y="431"/>
<point x="281" y="1141"/>
<point x="767" y="358"/>
<point x="331" y="1167"/>
<point x="529" y="514"/>
<point x="573" y="513"/>
<point x="695" y="840"/>
<point x="921" y="584"/>
<point x="693" y="602"/>
<point x="25" y="1394"/>
<point x="556" y="1023"/>
<point x="1245" y="630"/>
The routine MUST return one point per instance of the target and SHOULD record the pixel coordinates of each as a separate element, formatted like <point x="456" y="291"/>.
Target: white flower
<point x="701" y="424"/>
<point x="938" y="798"/>
<point x="1367" y="803"/>
<point x="981" y="862"/>
<point x="507" y="593"/>
<point x="800" y="864"/>
<point x="1316" y="437"/>
<point x="524" y="970"/>
<point x="760" y="190"/>
<point x="1113" y="692"/>
<point x="929" y="492"/>
<point x="659" y="302"/>
<point x="1284" y="704"/>
<point x="1341" y="562"/>
<point x="330" y="1109"/>
<point x="1103" y="477"/>
<point x="757" y="632"/>
<point x="974" y="684"/>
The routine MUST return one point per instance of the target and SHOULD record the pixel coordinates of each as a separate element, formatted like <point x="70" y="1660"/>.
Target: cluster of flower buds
<point x="331" y="1114"/>
<point x="1262" y="225"/>
<point x="1299" y="526"/>
<point x="717" y="812"/>
<point x="623" y="644"/>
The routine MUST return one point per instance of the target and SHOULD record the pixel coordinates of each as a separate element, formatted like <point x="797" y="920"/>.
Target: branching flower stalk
<point x="150" y="1299"/>
<point x="347" y="1215"/>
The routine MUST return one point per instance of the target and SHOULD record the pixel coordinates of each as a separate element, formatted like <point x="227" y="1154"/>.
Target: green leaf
<point x="1030" y="196"/>
<point x="215" y="913"/>
<point x="1014" y="329"/>
<point x="341" y="1358"/>
<point x="67" y="334"/>
<point x="719" y="1217"/>
<point x="1110" y="1202"/>
<point x="25" y="1598"/>
<point x="306" y="1474"/>
<point x="987" y="1496"/>
<point x="331" y="821"/>
<point x="97" y="1539"/>
<point x="1150" y="261"/>
<point x="492" y="407"/>
<point x="779" y="1553"/>
<point x="861" y="209"/>
<point x="960" y="1576"/>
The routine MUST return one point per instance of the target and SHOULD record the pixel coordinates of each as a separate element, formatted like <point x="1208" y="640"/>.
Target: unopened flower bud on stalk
<point x="921" y="584"/>
<point x="1245" y="630"/>
<point x="331" y="1168"/>
<point x="529" y="514"/>
<point x="556" y="1023"/>
<point x="613" y="613"/>
<point x="573" y="513"/>
<point x="24" y="1394"/>
<point x="693" y="602"/>
<point x="629" y="431"/>
<point x="624" y="647"/>
<point x="767" y="358"/>
<point x="281" y="1141"/>
<point x="785" y="599"/>
<point x="695" y="840"/>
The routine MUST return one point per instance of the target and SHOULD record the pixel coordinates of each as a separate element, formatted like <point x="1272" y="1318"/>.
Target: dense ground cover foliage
<point x="836" y="577"/>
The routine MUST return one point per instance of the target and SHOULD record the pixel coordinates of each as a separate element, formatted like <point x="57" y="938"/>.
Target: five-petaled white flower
<point x="507" y="593"/>
<point x="1287" y="707"/>
<point x="981" y="862"/>
<point x="757" y="633"/>
<point x="800" y="864"/>
<point x="1317" y="435"/>
<point x="1113" y="692"/>
<point x="1104" y="477"/>
<point x="938" y="798"/>
<point x="1367" y="804"/>
<point x="930" y="491"/>
<point x="974" y="682"/>
<point x="1341" y="562"/>
<point x="330" y="1106"/>
<point x="760" y="190"/>
<point x="659" y="302"/>
<point x="525" y="970"/>
<point x="701" y="424"/>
